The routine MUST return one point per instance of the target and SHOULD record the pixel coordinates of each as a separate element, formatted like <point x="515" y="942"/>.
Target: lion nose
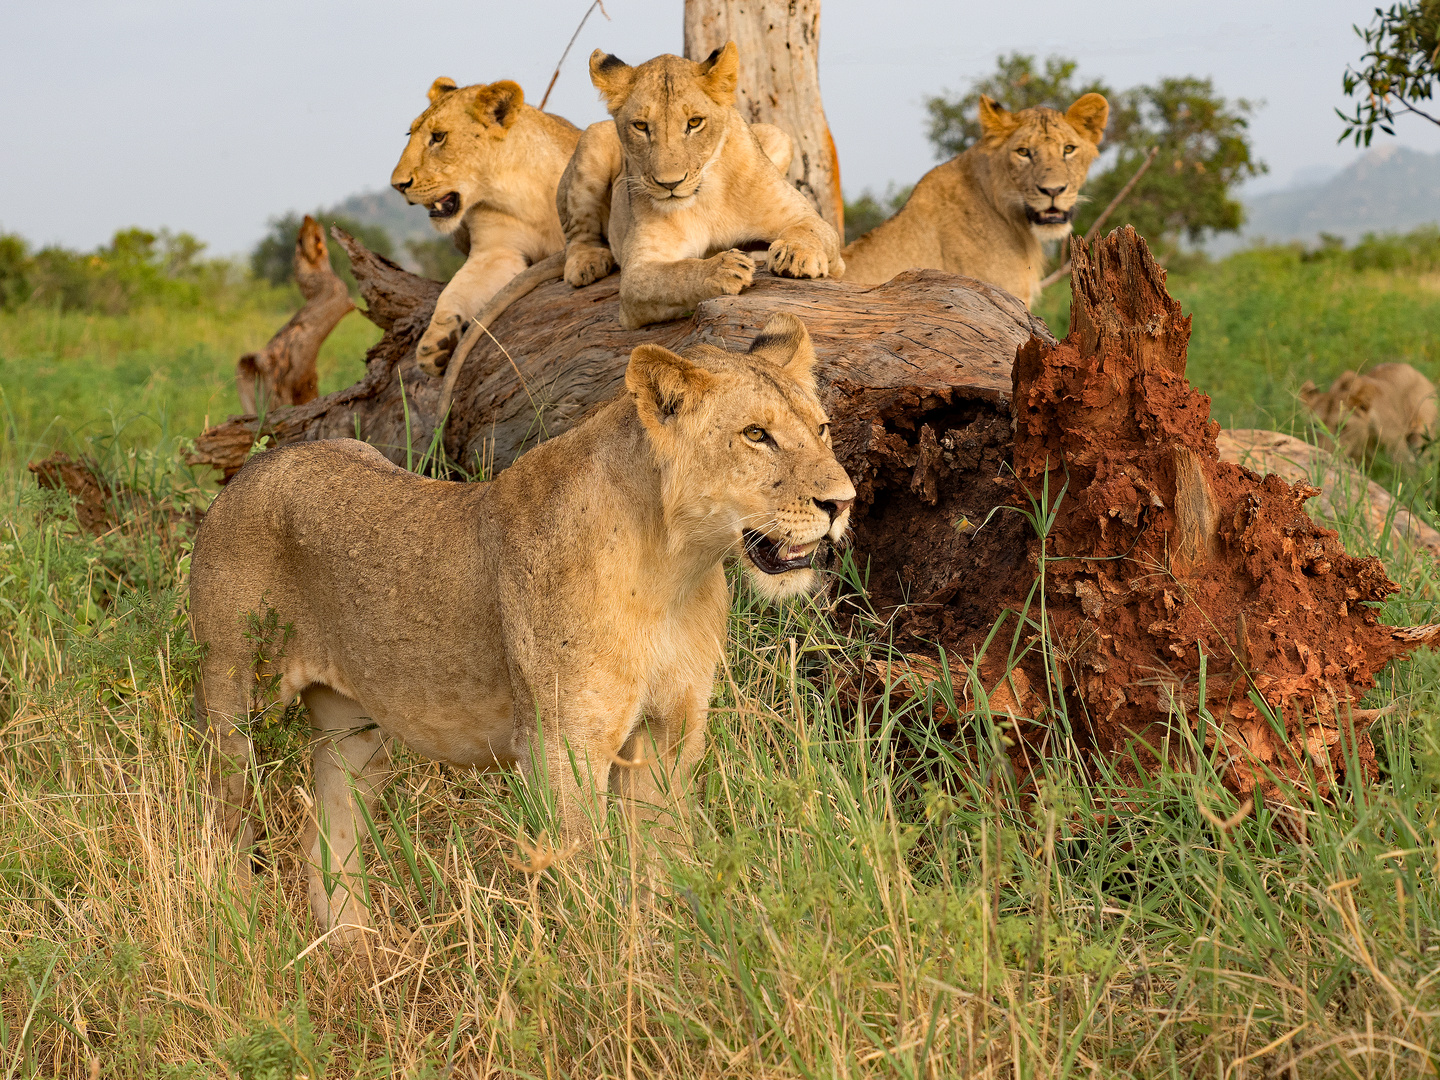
<point x="834" y="507"/>
<point x="1054" y="191"/>
<point x="402" y="186"/>
<point x="671" y="185"/>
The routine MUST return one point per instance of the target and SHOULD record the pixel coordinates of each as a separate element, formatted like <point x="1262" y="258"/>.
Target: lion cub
<point x="676" y="185"/>
<point x="487" y="165"/>
<point x="569" y="612"/>
<point x="986" y="212"/>
<point x="1391" y="406"/>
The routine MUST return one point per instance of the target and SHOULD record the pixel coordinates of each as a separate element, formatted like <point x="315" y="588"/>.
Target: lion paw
<point x="438" y="342"/>
<point x="587" y="263"/>
<point x="797" y="259"/>
<point x="730" y="272"/>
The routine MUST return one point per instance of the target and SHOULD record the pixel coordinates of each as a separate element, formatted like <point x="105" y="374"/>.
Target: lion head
<point x="452" y="146"/>
<point x="1043" y="157"/>
<point x="673" y="116"/>
<point x="744" y="449"/>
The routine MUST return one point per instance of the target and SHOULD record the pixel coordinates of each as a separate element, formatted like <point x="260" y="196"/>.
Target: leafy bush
<point x="870" y="210"/>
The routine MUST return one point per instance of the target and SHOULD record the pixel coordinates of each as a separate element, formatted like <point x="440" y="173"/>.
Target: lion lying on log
<point x="569" y="612"/>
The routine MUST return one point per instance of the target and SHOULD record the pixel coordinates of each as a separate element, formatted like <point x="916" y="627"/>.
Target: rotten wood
<point x="283" y="372"/>
<point x="779" y="43"/>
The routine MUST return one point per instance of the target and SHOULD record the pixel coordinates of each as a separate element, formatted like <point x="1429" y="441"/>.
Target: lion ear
<point x="720" y="73"/>
<point x="498" y="104"/>
<point x="663" y="384"/>
<point x="440" y="87"/>
<point x="1089" y="115"/>
<point x="996" y="121"/>
<point x="1309" y="393"/>
<point x="785" y="342"/>
<point x="612" y="77"/>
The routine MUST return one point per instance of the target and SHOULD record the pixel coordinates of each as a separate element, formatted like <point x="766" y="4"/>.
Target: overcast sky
<point x="212" y="117"/>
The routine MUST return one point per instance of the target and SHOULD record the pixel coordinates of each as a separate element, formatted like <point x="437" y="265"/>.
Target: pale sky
<point x="214" y="116"/>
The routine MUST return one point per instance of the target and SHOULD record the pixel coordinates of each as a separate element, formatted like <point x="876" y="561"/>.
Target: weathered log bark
<point x="915" y="375"/>
<point x="779" y="43"/>
<point x="1163" y="561"/>
<point x="283" y="372"/>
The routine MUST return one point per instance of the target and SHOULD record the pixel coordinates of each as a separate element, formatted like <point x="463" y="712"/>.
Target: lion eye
<point x="437" y="137"/>
<point x="824" y="430"/>
<point x="695" y="123"/>
<point x="755" y="433"/>
<point x="1022" y="151"/>
<point x="1069" y="149"/>
<point x="640" y="125"/>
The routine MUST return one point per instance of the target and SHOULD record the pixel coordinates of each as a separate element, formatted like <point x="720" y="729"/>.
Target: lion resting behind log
<point x="570" y="611"/>
<point x="985" y="213"/>
<point x="486" y="164"/>
<point x="1391" y="406"/>
<point x="677" y="185"/>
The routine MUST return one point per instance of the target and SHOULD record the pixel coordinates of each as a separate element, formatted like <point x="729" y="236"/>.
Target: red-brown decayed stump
<point x="1161" y="554"/>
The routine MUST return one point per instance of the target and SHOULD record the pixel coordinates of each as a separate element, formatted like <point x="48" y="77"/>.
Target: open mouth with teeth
<point x="449" y="206"/>
<point x="1051" y="215"/>
<point x="777" y="556"/>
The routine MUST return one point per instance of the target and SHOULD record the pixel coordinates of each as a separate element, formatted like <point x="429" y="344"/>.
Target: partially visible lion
<point x="986" y="212"/>
<point x="568" y="613"/>
<point x="486" y="164"/>
<point x="678" y="186"/>
<point x="1390" y="407"/>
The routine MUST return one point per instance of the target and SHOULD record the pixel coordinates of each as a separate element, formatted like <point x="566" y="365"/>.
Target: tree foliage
<point x="1398" y="70"/>
<point x="869" y="210"/>
<point x="437" y="258"/>
<point x="273" y="258"/>
<point x="1203" y="140"/>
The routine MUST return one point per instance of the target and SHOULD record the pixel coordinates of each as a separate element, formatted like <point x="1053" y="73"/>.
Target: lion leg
<point x="655" y="291"/>
<point x="484" y="274"/>
<point x="351" y="762"/>
<point x="222" y="710"/>
<point x="656" y="768"/>
<point x="806" y="249"/>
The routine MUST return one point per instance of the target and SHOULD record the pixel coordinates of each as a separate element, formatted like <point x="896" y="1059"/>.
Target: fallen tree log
<point x="915" y="375"/>
<point x="283" y="372"/>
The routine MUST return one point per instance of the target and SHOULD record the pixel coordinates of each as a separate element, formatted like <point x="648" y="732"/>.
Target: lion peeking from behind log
<point x="986" y="212"/>
<point x="570" y="611"/>
<point x="1390" y="407"/>
<point x="486" y="165"/>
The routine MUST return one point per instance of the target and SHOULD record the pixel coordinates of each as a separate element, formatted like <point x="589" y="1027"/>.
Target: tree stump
<point x="283" y="372"/>
<point x="1162" y="558"/>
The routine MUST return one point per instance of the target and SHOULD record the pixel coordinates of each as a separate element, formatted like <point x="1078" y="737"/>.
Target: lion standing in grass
<point x="678" y="186"/>
<point x="486" y="165"/>
<point x="571" y="611"/>
<point x="986" y="213"/>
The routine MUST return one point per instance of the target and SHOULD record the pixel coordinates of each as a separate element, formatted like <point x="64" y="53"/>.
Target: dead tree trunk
<point x="779" y="43"/>
<point x="283" y="373"/>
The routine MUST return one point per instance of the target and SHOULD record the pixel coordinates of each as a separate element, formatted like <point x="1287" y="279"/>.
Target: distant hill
<point x="388" y="209"/>
<point x="1390" y="189"/>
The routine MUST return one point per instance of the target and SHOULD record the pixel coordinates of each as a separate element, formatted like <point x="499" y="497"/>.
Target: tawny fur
<point x="1390" y="407"/>
<point x="676" y="185"/>
<point x="580" y="594"/>
<point x="503" y="159"/>
<point x="974" y="215"/>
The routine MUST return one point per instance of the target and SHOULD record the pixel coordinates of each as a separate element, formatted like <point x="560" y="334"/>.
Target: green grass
<point x="870" y="892"/>
<point x="1266" y="320"/>
<point x="64" y="374"/>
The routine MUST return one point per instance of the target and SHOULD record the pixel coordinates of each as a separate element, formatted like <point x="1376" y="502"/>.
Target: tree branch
<point x="592" y="7"/>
